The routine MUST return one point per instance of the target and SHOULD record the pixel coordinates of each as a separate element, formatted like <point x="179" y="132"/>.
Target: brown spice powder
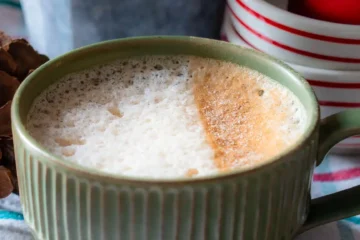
<point x="238" y="123"/>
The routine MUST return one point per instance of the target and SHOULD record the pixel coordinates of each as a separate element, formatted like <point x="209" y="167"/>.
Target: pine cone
<point x="17" y="60"/>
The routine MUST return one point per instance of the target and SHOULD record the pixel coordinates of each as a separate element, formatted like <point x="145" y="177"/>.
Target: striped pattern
<point x="332" y="165"/>
<point x="339" y="175"/>
<point x="291" y="44"/>
<point x="287" y="47"/>
<point x="320" y="83"/>
<point x="328" y="179"/>
<point x="342" y="85"/>
<point x="342" y="170"/>
<point x="330" y="93"/>
<point x="61" y="205"/>
<point x="339" y="104"/>
<point x="297" y="31"/>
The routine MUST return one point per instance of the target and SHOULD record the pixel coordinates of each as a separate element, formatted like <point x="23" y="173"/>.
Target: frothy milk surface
<point x="166" y="117"/>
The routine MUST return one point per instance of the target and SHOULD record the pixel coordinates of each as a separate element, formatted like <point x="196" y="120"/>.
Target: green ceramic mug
<point x="63" y="200"/>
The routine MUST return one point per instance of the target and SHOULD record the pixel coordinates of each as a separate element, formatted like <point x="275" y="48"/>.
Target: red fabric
<point x="337" y="175"/>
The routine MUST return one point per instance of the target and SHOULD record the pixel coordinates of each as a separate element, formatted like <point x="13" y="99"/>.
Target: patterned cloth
<point x="334" y="174"/>
<point x="12" y="225"/>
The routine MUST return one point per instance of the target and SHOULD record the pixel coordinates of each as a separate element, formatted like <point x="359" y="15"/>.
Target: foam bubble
<point x="138" y="117"/>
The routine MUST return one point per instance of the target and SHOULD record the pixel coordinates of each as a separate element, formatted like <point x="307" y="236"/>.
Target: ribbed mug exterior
<point x="266" y="204"/>
<point x="66" y="201"/>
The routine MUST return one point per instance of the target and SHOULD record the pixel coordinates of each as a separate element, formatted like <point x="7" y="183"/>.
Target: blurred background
<point x="57" y="26"/>
<point x="318" y="38"/>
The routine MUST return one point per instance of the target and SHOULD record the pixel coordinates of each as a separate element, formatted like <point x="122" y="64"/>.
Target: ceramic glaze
<point x="270" y="201"/>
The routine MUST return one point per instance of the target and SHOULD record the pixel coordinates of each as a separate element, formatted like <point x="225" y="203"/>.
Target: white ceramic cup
<point x="294" y="38"/>
<point x="335" y="90"/>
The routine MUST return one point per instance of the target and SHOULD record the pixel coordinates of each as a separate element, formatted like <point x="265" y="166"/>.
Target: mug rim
<point x="65" y="165"/>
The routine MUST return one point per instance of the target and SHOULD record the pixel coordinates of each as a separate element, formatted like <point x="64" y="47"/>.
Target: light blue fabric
<point x="8" y="215"/>
<point x="12" y="225"/>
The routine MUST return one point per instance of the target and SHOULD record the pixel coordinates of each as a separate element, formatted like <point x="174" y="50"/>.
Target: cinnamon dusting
<point x="240" y="125"/>
<point x="191" y="172"/>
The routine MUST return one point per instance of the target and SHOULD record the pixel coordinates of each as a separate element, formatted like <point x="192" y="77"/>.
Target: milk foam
<point x="138" y="117"/>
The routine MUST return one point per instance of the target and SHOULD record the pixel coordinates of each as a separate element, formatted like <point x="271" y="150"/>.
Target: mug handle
<point x="346" y="203"/>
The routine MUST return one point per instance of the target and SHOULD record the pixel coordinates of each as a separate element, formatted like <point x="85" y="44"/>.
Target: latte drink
<point x="166" y="117"/>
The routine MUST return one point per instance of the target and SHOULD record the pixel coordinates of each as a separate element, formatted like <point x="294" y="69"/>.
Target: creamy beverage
<point x="166" y="117"/>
